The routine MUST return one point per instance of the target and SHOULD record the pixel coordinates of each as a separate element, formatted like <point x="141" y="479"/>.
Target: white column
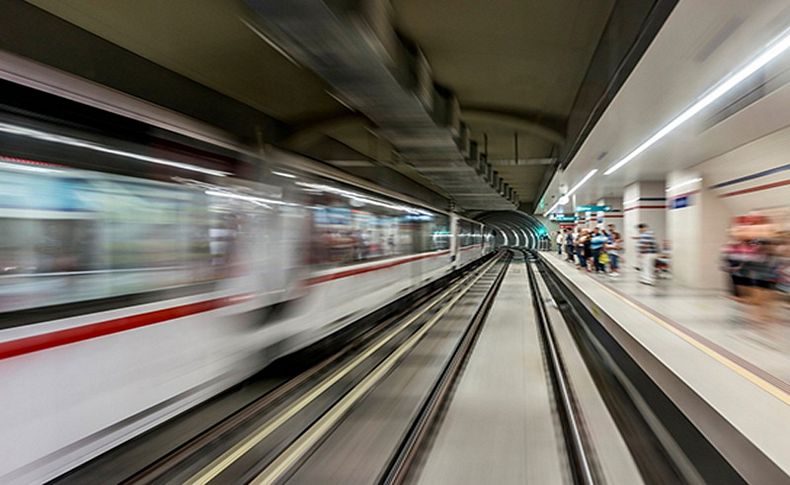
<point x="643" y="202"/>
<point x="697" y="222"/>
<point x="614" y="216"/>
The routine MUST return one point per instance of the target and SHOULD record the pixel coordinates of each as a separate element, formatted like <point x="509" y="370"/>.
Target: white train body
<point x="136" y="282"/>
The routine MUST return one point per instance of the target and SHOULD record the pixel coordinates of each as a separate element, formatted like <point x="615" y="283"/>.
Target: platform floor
<point x="500" y="427"/>
<point x="729" y="376"/>
<point x="715" y="319"/>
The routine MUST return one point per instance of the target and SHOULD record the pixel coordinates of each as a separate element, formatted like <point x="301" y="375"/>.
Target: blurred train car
<point x="139" y="270"/>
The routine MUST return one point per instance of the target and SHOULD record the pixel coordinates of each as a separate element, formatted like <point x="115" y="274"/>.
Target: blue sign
<point x="680" y="202"/>
<point x="593" y="208"/>
<point x="564" y="218"/>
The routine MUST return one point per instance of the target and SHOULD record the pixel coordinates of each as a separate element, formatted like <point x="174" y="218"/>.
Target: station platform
<point x="728" y="377"/>
<point x="713" y="319"/>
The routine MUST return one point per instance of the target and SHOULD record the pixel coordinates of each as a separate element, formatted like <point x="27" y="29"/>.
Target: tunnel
<point x="514" y="228"/>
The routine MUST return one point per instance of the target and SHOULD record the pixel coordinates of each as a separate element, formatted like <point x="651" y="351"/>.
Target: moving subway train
<point x="138" y="269"/>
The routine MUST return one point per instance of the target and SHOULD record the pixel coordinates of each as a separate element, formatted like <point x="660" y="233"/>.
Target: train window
<point x="465" y="233"/>
<point x="353" y="227"/>
<point x="73" y="235"/>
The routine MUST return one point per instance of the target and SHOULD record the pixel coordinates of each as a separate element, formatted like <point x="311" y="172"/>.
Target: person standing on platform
<point x="560" y="242"/>
<point x="647" y="249"/>
<point x="569" y="244"/>
<point x="597" y="242"/>
<point x="581" y="237"/>
<point x="613" y="249"/>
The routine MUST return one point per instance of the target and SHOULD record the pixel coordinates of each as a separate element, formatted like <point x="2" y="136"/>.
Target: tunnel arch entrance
<point x="514" y="228"/>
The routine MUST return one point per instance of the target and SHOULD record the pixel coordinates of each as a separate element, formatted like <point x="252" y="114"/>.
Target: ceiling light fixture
<point x="75" y="142"/>
<point x="683" y="184"/>
<point x="283" y="174"/>
<point x="723" y="87"/>
<point x="566" y="197"/>
<point x="255" y="30"/>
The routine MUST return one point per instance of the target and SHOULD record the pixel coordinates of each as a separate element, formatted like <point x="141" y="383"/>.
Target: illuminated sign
<point x="593" y="208"/>
<point x="564" y="218"/>
<point x="680" y="202"/>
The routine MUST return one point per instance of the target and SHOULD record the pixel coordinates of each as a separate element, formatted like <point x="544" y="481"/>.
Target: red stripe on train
<point x="35" y="343"/>
<point x="367" y="269"/>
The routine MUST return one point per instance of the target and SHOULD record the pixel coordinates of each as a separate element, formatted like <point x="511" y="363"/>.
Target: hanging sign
<point x="564" y="218"/>
<point x="593" y="208"/>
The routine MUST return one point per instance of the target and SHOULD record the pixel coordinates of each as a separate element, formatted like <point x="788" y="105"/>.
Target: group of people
<point x="600" y="250"/>
<point x="594" y="249"/>
<point x="757" y="259"/>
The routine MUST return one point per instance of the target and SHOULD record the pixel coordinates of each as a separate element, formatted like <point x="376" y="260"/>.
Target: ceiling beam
<point x="512" y="121"/>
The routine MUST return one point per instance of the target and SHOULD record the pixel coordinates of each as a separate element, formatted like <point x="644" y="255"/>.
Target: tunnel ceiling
<point x="514" y="66"/>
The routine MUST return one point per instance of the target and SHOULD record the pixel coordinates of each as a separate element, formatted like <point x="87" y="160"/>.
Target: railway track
<point x="265" y="439"/>
<point x="370" y="410"/>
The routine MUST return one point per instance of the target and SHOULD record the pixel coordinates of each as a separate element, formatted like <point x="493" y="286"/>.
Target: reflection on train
<point x="351" y="227"/>
<point x="136" y="273"/>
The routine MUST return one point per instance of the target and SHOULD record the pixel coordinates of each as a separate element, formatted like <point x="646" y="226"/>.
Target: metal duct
<point x="352" y="45"/>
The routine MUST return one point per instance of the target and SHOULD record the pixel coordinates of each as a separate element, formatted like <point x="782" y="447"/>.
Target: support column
<point x="697" y="223"/>
<point x="614" y="216"/>
<point x="643" y="202"/>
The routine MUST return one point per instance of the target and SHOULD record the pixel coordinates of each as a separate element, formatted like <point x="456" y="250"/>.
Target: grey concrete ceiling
<point x="516" y="66"/>
<point x="207" y="41"/>
<point x="523" y="57"/>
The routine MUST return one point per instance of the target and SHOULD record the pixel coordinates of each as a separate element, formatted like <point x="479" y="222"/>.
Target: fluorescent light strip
<point x="283" y="174"/>
<point x="720" y="90"/>
<point x="339" y="100"/>
<point x="246" y="198"/>
<point x="363" y="199"/>
<point x="573" y="190"/>
<point x="74" y="142"/>
<point x="255" y="30"/>
<point x="683" y="184"/>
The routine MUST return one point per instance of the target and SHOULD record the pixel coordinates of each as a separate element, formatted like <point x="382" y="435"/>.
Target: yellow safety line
<point x="746" y="373"/>
<point x="302" y="446"/>
<point x="222" y="462"/>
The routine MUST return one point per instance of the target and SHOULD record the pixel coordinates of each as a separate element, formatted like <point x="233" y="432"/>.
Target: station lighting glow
<point x="723" y="87"/>
<point x="683" y="184"/>
<point x="567" y="196"/>
<point x="255" y="30"/>
<point x="247" y="198"/>
<point x="361" y="198"/>
<point x="76" y="142"/>
<point x="283" y="174"/>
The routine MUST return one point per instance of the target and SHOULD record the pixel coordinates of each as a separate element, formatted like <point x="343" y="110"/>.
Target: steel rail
<point x="226" y="459"/>
<point x="581" y="463"/>
<point x="413" y="444"/>
<point x="288" y="460"/>
<point x="180" y="454"/>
